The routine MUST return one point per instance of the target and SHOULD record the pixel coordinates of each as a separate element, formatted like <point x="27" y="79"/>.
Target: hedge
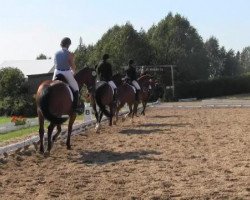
<point x="213" y="88"/>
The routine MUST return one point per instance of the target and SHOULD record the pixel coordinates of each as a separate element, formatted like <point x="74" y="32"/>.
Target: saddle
<point x="61" y="77"/>
<point x="129" y="82"/>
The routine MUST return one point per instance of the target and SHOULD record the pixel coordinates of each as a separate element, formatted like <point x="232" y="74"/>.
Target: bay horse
<point x="103" y="97"/>
<point x="125" y="94"/>
<point x="54" y="103"/>
<point x="146" y="84"/>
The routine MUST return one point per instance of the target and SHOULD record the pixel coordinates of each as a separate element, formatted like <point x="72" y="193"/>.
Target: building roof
<point x="30" y="67"/>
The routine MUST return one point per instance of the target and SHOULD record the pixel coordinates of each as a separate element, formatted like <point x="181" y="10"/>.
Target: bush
<point x="23" y="105"/>
<point x="213" y="88"/>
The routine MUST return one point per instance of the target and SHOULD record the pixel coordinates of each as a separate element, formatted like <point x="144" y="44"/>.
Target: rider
<point x="65" y="65"/>
<point x="104" y="71"/>
<point x="132" y="76"/>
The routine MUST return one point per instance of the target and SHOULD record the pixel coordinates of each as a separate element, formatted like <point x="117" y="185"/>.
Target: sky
<point x="31" y="27"/>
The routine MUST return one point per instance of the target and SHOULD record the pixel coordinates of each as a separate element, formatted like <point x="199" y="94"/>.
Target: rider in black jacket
<point x="132" y="77"/>
<point x="104" y="71"/>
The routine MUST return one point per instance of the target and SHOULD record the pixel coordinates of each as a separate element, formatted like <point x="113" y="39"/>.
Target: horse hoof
<point x="41" y="151"/>
<point x="47" y="154"/>
<point x="97" y="127"/>
<point x="69" y="148"/>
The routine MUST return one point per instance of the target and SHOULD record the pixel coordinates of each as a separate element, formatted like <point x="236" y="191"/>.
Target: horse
<point x="146" y="84"/>
<point x="54" y="103"/>
<point x="125" y="94"/>
<point x="103" y="97"/>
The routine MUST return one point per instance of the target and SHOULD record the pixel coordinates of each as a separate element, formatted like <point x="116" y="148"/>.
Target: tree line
<point x="173" y="41"/>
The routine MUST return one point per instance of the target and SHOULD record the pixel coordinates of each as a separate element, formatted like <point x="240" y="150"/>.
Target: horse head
<point x="145" y="80"/>
<point x="86" y="76"/>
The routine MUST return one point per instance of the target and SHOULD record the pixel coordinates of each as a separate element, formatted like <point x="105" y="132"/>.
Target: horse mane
<point x="145" y="77"/>
<point x="81" y="70"/>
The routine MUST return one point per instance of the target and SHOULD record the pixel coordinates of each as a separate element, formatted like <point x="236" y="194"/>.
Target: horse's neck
<point x="80" y="79"/>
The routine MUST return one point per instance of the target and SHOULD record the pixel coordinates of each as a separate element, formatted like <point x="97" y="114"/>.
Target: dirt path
<point x="171" y="153"/>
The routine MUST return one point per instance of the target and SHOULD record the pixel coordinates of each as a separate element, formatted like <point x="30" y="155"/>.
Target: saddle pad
<point x="133" y="87"/>
<point x="71" y="94"/>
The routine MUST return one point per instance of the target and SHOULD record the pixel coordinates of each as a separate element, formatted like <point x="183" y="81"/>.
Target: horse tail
<point x="44" y="106"/>
<point x="98" y="95"/>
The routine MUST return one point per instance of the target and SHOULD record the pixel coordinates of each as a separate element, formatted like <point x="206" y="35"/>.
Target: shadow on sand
<point x="139" y="131"/>
<point x="164" y="116"/>
<point x="105" y="157"/>
<point x="163" y="124"/>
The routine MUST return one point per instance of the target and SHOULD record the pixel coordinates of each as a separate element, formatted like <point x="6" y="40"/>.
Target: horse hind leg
<point x="59" y="129"/>
<point x="144" y="107"/>
<point x="50" y="130"/>
<point x="111" y="114"/>
<point x="117" y="112"/>
<point x="41" y="131"/>
<point x="71" y="122"/>
<point x="98" y="123"/>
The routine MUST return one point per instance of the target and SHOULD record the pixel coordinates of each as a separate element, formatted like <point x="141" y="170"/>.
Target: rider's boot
<point x="137" y="95"/>
<point x="76" y="109"/>
<point x="115" y="98"/>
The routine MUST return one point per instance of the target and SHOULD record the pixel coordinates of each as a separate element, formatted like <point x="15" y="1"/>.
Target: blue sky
<point x="31" y="27"/>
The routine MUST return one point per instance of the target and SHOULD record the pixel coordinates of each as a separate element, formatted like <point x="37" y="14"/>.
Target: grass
<point x="18" y="134"/>
<point x="4" y="120"/>
<point x="13" y="135"/>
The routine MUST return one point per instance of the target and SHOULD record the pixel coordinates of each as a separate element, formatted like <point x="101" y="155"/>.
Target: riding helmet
<point x="105" y="56"/>
<point x="66" y="42"/>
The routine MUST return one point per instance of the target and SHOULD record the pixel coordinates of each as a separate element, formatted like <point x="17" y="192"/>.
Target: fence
<point x="11" y="126"/>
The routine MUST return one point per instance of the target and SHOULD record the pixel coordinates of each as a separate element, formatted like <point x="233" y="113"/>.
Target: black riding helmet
<point x="105" y="57"/>
<point x="131" y="62"/>
<point x="66" y="42"/>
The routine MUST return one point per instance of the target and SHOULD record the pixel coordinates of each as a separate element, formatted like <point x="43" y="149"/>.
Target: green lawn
<point x="4" y="120"/>
<point x="17" y="134"/>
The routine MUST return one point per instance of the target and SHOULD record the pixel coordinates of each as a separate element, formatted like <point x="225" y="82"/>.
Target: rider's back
<point x="62" y="60"/>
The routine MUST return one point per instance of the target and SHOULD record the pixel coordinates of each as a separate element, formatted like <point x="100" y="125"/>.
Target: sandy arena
<point x="169" y="154"/>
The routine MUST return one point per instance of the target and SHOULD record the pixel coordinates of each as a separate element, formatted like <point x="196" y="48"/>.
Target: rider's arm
<point x="72" y="62"/>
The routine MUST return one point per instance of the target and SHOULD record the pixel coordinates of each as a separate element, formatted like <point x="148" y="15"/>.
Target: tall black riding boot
<point x="115" y="96"/>
<point x="137" y="95"/>
<point x="75" y="102"/>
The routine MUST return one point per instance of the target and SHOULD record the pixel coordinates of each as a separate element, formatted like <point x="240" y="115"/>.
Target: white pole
<point x="172" y="74"/>
<point x="87" y="113"/>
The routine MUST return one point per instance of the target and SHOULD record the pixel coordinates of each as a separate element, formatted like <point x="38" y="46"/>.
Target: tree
<point x="11" y="82"/>
<point x="215" y="59"/>
<point x="231" y="64"/>
<point x="175" y="41"/>
<point x="41" y="57"/>
<point x="245" y="59"/>
<point x="82" y="54"/>
<point x="122" y="43"/>
<point x="13" y="93"/>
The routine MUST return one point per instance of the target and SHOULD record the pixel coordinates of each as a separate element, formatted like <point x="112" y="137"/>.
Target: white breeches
<point x="136" y="85"/>
<point x="112" y="84"/>
<point x="69" y="77"/>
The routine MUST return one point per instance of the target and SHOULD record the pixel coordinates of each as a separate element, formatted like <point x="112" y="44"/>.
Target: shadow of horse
<point x="163" y="125"/>
<point x="165" y="116"/>
<point x="139" y="131"/>
<point x="104" y="157"/>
